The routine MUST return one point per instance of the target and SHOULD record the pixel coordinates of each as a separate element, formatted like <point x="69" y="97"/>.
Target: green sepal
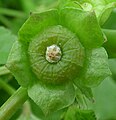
<point x="112" y="65"/>
<point x="18" y="65"/>
<point x="102" y="8"/>
<point x="80" y="99"/>
<point x="87" y="6"/>
<point x="36" y="23"/>
<point x="74" y="113"/>
<point x="84" y="24"/>
<point x="105" y="13"/>
<point x="86" y="91"/>
<point x="69" y="3"/>
<point x="51" y="98"/>
<point x="82" y="94"/>
<point x="96" y="68"/>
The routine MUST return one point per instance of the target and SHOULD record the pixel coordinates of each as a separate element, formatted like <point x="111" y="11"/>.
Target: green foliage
<point x="58" y="91"/>
<point x="110" y="23"/>
<point x="6" y="41"/>
<point x="102" y="8"/>
<point x="96" y="67"/>
<point x="28" y="64"/>
<point x="105" y="100"/>
<point x="83" y="91"/>
<point x="112" y="65"/>
<point x="75" y="113"/>
<point x="18" y="65"/>
<point x="111" y="42"/>
<point x="80" y="22"/>
<point x="52" y="98"/>
<point x="106" y="12"/>
<point x="37" y="23"/>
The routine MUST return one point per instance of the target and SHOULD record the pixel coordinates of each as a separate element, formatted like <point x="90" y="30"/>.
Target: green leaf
<point x="6" y="41"/>
<point x="105" y="13"/>
<point x="111" y="22"/>
<point x="85" y="90"/>
<point x="96" y="5"/>
<point x="110" y="44"/>
<point x="38" y="112"/>
<point x="84" y="24"/>
<point x="80" y="99"/>
<point x="52" y="98"/>
<point x="102" y="8"/>
<point x="69" y="3"/>
<point x="105" y="100"/>
<point x="87" y="6"/>
<point x="112" y="65"/>
<point x="109" y="1"/>
<point x="19" y="66"/>
<point x="96" y="68"/>
<point x="36" y="23"/>
<point x="75" y="113"/>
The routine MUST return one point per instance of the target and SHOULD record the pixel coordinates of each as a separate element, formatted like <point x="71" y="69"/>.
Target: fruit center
<point x="53" y="54"/>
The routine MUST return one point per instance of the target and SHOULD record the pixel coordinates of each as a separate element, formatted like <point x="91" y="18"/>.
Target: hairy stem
<point x="6" y="87"/>
<point x="13" y="103"/>
<point x="4" y="70"/>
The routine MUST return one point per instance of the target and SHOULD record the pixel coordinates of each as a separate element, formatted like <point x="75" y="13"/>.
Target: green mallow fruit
<point x="57" y="51"/>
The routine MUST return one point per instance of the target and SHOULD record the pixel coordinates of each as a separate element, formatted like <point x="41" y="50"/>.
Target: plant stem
<point x="11" y="12"/>
<point x="13" y="103"/>
<point x="26" y="110"/>
<point x="4" y="70"/>
<point x="6" y="87"/>
<point x="5" y="21"/>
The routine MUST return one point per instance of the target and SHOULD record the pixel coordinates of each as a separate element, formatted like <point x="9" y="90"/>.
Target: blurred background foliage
<point x="13" y="14"/>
